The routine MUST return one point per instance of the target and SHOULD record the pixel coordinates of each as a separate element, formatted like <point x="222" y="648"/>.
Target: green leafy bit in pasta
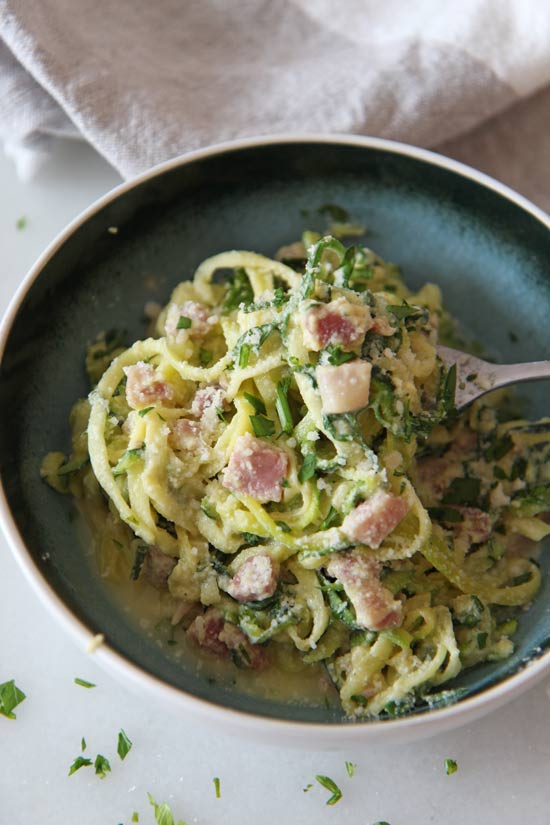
<point x="283" y="462"/>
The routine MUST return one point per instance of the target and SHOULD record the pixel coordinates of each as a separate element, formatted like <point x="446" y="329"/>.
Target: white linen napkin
<point x="144" y="81"/>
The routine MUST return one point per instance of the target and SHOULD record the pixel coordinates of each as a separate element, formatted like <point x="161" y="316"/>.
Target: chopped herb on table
<point x="163" y="813"/>
<point x="84" y="683"/>
<point x="331" y="786"/>
<point x="102" y="766"/>
<point x="135" y="817"/>
<point x="21" y="223"/>
<point x="82" y="744"/>
<point x="217" y="789"/>
<point x="350" y="767"/>
<point x="124" y="745"/>
<point x="10" y="697"/>
<point x="79" y="762"/>
<point x="450" y="766"/>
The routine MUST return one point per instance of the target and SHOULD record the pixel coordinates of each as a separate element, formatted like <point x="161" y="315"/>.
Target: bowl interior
<point x="490" y="256"/>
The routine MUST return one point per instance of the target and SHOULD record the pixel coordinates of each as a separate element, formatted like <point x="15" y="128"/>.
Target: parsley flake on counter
<point x="124" y="745"/>
<point x="102" y="766"/>
<point x="82" y="744"/>
<point x="350" y="767"/>
<point x="84" y="683"/>
<point x="163" y="813"/>
<point x="217" y="789"/>
<point x="331" y="786"/>
<point x="79" y="762"/>
<point x="308" y="787"/>
<point x="450" y="766"/>
<point x="21" y="223"/>
<point x="10" y="697"/>
<point x="135" y="817"/>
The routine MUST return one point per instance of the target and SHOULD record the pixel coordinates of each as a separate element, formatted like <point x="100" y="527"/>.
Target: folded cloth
<point x="143" y="81"/>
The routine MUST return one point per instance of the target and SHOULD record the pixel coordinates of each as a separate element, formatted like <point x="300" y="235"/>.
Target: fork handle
<point x="516" y="373"/>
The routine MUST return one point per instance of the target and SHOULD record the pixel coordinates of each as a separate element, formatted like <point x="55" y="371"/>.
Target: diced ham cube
<point x="256" y="469"/>
<point x="210" y="396"/>
<point x="205" y="631"/>
<point x="255" y="579"/>
<point x="375" y="518"/>
<point x="186" y="436"/>
<point x="211" y="633"/>
<point x="157" y="568"/>
<point x="201" y="317"/>
<point x="339" y="322"/>
<point x="476" y="526"/>
<point x="241" y="650"/>
<point x="144" y="386"/>
<point x="375" y="607"/>
<point x="346" y="387"/>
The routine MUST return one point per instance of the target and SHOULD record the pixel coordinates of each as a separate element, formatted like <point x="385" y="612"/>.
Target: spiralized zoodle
<point x="284" y="460"/>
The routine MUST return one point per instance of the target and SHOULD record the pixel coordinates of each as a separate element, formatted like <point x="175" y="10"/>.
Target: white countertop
<point x="503" y="760"/>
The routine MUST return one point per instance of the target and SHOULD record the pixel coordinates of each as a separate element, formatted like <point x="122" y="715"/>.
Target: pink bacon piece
<point x="211" y="633"/>
<point x="256" y="469"/>
<point x="339" y="322"/>
<point x="375" y="607"/>
<point x="157" y="568"/>
<point x="255" y="579"/>
<point x="201" y="317"/>
<point x="375" y="518"/>
<point x="144" y="386"/>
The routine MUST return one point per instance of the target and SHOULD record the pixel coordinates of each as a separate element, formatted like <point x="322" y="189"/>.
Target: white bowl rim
<point x="309" y="734"/>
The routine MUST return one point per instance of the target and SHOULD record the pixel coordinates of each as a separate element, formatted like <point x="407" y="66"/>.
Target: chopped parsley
<point x="255" y="402"/>
<point x="330" y="785"/>
<point x="463" y="491"/>
<point x="144" y="411"/>
<point x="10" y="697"/>
<point x="163" y="813"/>
<point x="330" y="519"/>
<point x="102" y="766"/>
<point x="84" y="683"/>
<point x="82" y="744"/>
<point x="124" y="745"/>
<point x="336" y="355"/>
<point x="282" y="406"/>
<point x="127" y="460"/>
<point x="135" y="817"/>
<point x="217" y="790"/>
<point x="262" y="426"/>
<point x="79" y="762"/>
<point x="141" y="553"/>
<point x="21" y="223"/>
<point x="350" y="767"/>
<point x="307" y="470"/>
<point x="450" y="766"/>
<point x="184" y="322"/>
<point x="205" y="356"/>
<point x="240" y="291"/>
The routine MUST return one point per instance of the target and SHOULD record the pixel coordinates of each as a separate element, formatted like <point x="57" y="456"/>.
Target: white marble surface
<point x="503" y="759"/>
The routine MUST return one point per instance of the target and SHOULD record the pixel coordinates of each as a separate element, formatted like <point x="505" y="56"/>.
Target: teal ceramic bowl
<point x="486" y="246"/>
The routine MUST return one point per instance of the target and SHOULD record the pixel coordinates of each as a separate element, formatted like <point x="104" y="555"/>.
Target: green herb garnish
<point x="350" y="767"/>
<point x="10" y="697"/>
<point x="102" y="766"/>
<point x="205" y="357"/>
<point x="307" y="470"/>
<point x="184" y="322"/>
<point x="141" y="552"/>
<point x="21" y="223"/>
<point x="79" y="762"/>
<point x="255" y="402"/>
<point x="217" y="789"/>
<point x="135" y="817"/>
<point x="463" y="491"/>
<point x="450" y="766"/>
<point x="262" y="426"/>
<point x="282" y="406"/>
<point x="163" y="813"/>
<point x="124" y="745"/>
<point x="144" y="411"/>
<point x="240" y="291"/>
<point x="331" y="786"/>
<point x="330" y="519"/>
<point x="337" y="356"/>
<point x="84" y="683"/>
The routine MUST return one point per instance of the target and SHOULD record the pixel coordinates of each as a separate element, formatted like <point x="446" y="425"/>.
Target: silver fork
<point x="475" y="377"/>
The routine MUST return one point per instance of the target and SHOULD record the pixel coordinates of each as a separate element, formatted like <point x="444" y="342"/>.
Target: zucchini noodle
<point x="283" y="461"/>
